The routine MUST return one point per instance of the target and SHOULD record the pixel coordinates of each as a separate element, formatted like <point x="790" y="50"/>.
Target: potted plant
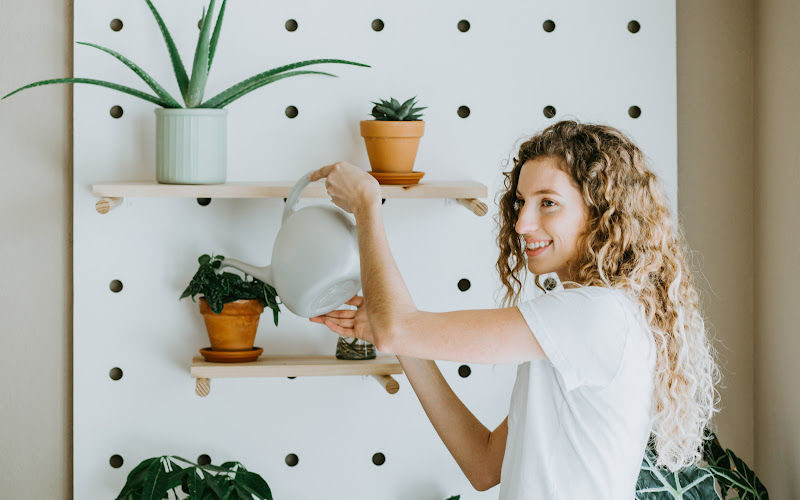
<point x="191" y="141"/>
<point x="155" y="477"/>
<point x="231" y="307"/>
<point x="719" y="474"/>
<point x="392" y="140"/>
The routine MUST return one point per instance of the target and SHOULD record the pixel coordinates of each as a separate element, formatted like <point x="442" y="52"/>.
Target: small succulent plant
<point x="192" y="87"/>
<point x="392" y="110"/>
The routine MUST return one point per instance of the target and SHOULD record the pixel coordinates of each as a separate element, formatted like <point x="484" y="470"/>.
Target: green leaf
<point x="741" y="478"/>
<point x="101" y="83"/>
<point x="158" y="89"/>
<point x="136" y="478"/>
<point x="244" y="84"/>
<point x="254" y="484"/>
<point x="154" y="480"/>
<point x="175" y="57"/>
<point x="197" y="84"/>
<point x="215" y="103"/>
<point x="658" y="483"/>
<point x="215" y="37"/>
<point x="395" y="103"/>
<point x="388" y="111"/>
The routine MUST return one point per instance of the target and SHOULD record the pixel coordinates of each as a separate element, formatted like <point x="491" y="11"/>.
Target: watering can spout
<point x="262" y="273"/>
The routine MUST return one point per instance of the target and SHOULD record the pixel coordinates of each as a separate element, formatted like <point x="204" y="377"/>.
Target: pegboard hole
<point x="203" y="202"/>
<point x="292" y="460"/>
<point x="291" y="111"/>
<point x="634" y="26"/>
<point x="634" y="111"/>
<point x="549" y="111"/>
<point x="115" y="373"/>
<point x="115" y="286"/>
<point x="291" y="378"/>
<point x="116" y="24"/>
<point x="464" y="284"/>
<point x="291" y="25"/>
<point x="203" y="460"/>
<point x="379" y="458"/>
<point x="463" y="26"/>
<point x="200" y="23"/>
<point x="549" y="25"/>
<point x="377" y="25"/>
<point x="383" y="200"/>
<point x="115" y="461"/>
<point x="115" y="111"/>
<point x="463" y="111"/>
<point x="464" y="371"/>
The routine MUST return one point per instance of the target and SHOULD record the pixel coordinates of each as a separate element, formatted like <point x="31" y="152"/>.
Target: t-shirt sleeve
<point x="582" y="332"/>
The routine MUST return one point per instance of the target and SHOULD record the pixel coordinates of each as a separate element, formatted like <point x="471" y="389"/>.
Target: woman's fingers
<point x="357" y="300"/>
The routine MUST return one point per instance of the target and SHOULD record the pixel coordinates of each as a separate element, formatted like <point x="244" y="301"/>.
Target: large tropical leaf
<point x="742" y="479"/>
<point x="154" y="480"/>
<point x="236" y="90"/>
<point x="215" y="37"/>
<point x="121" y="88"/>
<point x="259" y="84"/>
<point x="689" y="483"/>
<point x="158" y="89"/>
<point x="175" y="57"/>
<point x="197" y="84"/>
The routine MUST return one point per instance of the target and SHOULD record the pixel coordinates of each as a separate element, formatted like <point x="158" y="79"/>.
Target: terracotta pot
<point x="392" y="145"/>
<point x="233" y="329"/>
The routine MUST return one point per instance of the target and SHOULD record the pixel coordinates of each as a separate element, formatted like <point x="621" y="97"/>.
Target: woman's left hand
<point x="349" y="187"/>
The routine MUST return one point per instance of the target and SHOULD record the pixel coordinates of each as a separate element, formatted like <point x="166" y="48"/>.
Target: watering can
<point x="315" y="264"/>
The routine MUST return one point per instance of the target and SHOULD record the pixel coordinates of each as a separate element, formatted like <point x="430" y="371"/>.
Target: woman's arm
<point x="482" y="336"/>
<point x="478" y="452"/>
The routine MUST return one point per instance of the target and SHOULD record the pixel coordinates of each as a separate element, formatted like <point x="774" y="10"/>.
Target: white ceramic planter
<point x="191" y="146"/>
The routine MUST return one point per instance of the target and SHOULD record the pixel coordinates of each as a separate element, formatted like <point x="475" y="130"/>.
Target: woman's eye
<point x="518" y="202"/>
<point x="551" y="201"/>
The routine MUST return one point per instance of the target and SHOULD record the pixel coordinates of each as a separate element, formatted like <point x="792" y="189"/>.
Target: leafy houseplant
<point x="392" y="138"/>
<point x="180" y="157"/>
<point x="719" y="474"/>
<point x="231" y="306"/>
<point x="155" y="477"/>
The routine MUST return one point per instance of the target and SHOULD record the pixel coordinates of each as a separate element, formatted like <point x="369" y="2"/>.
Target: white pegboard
<point x="506" y="68"/>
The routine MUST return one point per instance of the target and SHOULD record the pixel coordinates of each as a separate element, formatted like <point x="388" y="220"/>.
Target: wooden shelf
<point x="381" y="368"/>
<point x="465" y="192"/>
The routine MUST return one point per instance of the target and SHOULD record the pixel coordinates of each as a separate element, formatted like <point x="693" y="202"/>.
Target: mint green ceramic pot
<point x="191" y="146"/>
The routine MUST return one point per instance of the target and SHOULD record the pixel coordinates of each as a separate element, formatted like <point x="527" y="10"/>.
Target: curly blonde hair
<point x="631" y="243"/>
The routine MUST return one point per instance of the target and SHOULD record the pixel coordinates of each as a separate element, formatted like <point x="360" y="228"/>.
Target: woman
<point x="618" y="353"/>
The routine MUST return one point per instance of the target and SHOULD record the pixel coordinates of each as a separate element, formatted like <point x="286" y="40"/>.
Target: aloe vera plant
<point x="192" y="88"/>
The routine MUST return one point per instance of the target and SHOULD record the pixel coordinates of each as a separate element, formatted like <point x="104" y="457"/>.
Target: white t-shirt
<point x="579" y="420"/>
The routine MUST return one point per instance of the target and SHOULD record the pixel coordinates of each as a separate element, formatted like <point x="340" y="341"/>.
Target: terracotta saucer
<point x="403" y="178"/>
<point x="231" y="356"/>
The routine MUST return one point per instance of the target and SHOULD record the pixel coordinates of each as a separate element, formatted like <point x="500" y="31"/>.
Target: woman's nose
<point x="526" y="223"/>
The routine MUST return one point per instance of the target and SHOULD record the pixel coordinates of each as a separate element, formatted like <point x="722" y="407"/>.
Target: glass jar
<point x="354" y="348"/>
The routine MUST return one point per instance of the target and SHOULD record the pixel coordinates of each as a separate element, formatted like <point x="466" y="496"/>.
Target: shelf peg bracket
<point x="105" y="204"/>
<point x="475" y="205"/>
<point x="202" y="387"/>
<point x="387" y="382"/>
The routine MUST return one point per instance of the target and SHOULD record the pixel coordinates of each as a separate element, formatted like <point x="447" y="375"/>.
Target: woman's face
<point x="550" y="209"/>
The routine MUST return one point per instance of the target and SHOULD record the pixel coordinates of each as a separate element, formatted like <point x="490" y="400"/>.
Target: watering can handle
<point x="294" y="195"/>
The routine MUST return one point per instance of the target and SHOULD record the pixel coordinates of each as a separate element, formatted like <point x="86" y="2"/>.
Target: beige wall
<point x="736" y="216"/>
<point x="777" y="248"/>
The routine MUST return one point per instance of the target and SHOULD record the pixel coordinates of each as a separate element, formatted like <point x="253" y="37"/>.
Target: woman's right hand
<point x="348" y="322"/>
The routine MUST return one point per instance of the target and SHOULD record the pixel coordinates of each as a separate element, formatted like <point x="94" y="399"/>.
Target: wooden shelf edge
<point x="295" y="366"/>
<point x="459" y="189"/>
<point x="381" y="369"/>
